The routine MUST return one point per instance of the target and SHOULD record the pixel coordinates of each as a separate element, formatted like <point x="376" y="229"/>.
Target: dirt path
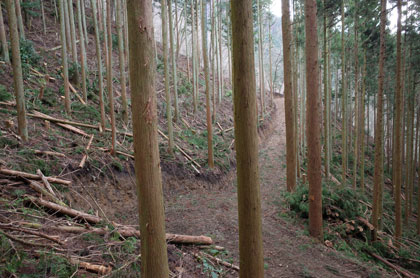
<point x="195" y="207"/>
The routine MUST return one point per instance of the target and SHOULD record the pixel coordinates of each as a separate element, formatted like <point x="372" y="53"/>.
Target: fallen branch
<point x="35" y="233"/>
<point x="8" y="103"/>
<point x="38" y="188"/>
<point x="100" y="269"/>
<point x="400" y="270"/>
<point x="74" y="129"/>
<point x="32" y="176"/>
<point x="49" y="153"/>
<point x="124" y="231"/>
<point x="366" y="222"/>
<point x="217" y="260"/>
<point x="66" y="210"/>
<point x="83" y="161"/>
<point x="45" y="181"/>
<point x="57" y="47"/>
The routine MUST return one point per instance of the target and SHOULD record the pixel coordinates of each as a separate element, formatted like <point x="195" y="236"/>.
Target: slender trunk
<point x="67" y="25"/>
<point x="246" y="141"/>
<point x="221" y="85"/>
<point x="270" y="47"/>
<point x="73" y="36"/>
<point x="154" y="256"/>
<point x="123" y="80"/>
<point x="207" y="78"/>
<point x="18" y="13"/>
<point x="313" y="122"/>
<point x="174" y="61"/>
<point x="194" y="54"/>
<point x="213" y="55"/>
<point x="164" y="14"/>
<point x="344" y="99"/>
<point x="326" y="108"/>
<point x="82" y="50"/>
<point x="288" y="98"/>
<point x="67" y="103"/>
<point x="260" y="61"/>
<point x="362" y="126"/>
<point x="109" y="79"/>
<point x="4" y="46"/>
<point x="85" y="32"/>
<point x="44" y="26"/>
<point x="99" y="60"/>
<point x="17" y="70"/>
<point x="398" y="122"/>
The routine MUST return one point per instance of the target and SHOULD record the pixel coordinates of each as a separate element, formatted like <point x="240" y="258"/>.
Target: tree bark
<point x="344" y="99"/>
<point x="288" y="98"/>
<point x="4" y="46"/>
<point x="313" y="122"/>
<point x="173" y="60"/>
<point x="207" y="78"/>
<point x="99" y="61"/>
<point x="64" y="56"/>
<point x="146" y="148"/>
<point x="379" y="130"/>
<point x="398" y="123"/>
<point x="164" y="12"/>
<point x="18" y="13"/>
<point x="121" y="53"/>
<point x="109" y="79"/>
<point x="82" y="49"/>
<point x="246" y="141"/>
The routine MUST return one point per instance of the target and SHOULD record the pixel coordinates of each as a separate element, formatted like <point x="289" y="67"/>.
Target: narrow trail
<point x="211" y="209"/>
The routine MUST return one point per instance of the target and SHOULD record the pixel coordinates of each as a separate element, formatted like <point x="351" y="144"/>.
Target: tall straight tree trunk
<point x="67" y="24"/>
<point x="357" y="99"/>
<point x="44" y="25"/>
<point x="73" y="36"/>
<point x="326" y="108"/>
<point x="99" y="61"/>
<point x="270" y="47"/>
<point x="18" y="13"/>
<point x="154" y="256"/>
<point x="67" y="102"/>
<point x="4" y="46"/>
<point x="379" y="129"/>
<point x="207" y="78"/>
<point x="219" y="29"/>
<point x="344" y="99"/>
<point x="17" y="70"/>
<point x="82" y="49"/>
<point x="362" y="126"/>
<point x="85" y="32"/>
<point x="194" y="54"/>
<point x="213" y="55"/>
<point x="246" y="141"/>
<point x="288" y="98"/>
<point x="109" y="79"/>
<point x="123" y="81"/>
<point x="174" y="61"/>
<point x="260" y="59"/>
<point x="313" y="122"/>
<point x="398" y="122"/>
<point x="164" y="14"/>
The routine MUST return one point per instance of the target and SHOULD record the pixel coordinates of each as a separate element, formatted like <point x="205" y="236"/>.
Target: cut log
<point x="45" y="181"/>
<point x="74" y="129"/>
<point x="38" y="188"/>
<point x="32" y="176"/>
<point x="366" y="222"/>
<point x="124" y="231"/>
<point x="50" y="153"/>
<point x="83" y="161"/>
<point x="217" y="260"/>
<point x="66" y="210"/>
<point x="400" y="270"/>
<point x="96" y="268"/>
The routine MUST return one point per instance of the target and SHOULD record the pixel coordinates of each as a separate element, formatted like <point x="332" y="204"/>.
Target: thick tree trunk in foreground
<point x="288" y="98"/>
<point x="149" y="181"/>
<point x="398" y="137"/>
<point x="17" y="71"/>
<point x="207" y="77"/>
<point x="313" y="122"/>
<point x="246" y="141"/>
<point x="379" y="129"/>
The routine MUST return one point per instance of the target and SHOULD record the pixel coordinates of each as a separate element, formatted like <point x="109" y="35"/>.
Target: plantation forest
<point x="209" y="138"/>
